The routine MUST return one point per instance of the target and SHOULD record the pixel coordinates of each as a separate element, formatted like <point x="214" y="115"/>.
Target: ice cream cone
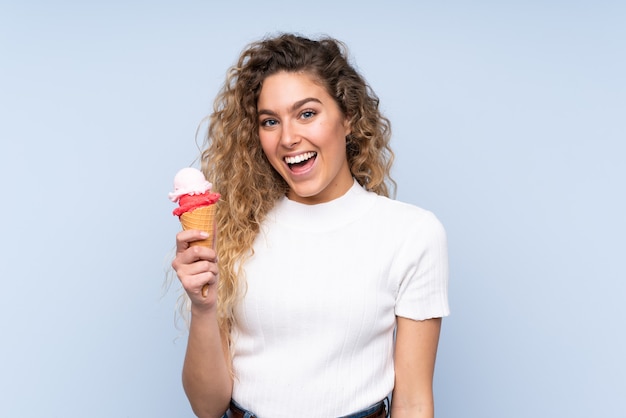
<point x="203" y="219"/>
<point x="196" y="206"/>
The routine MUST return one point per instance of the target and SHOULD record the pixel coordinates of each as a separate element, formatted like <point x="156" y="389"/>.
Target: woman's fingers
<point x="186" y="253"/>
<point x="185" y="238"/>
<point x="199" y="279"/>
<point x="194" y="283"/>
<point x="196" y="266"/>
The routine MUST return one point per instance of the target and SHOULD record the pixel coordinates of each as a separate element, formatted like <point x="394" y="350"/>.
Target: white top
<point x="324" y="286"/>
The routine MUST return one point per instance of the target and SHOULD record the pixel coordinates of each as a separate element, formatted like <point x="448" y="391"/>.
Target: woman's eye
<point x="268" y="122"/>
<point x="307" y="114"/>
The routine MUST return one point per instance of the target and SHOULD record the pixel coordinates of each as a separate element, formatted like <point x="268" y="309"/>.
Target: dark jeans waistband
<point x="378" y="410"/>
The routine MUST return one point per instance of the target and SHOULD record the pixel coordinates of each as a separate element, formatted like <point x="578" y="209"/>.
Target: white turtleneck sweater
<point x="315" y="328"/>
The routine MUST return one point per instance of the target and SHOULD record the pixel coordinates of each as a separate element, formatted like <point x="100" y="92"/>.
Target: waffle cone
<point x="203" y="219"/>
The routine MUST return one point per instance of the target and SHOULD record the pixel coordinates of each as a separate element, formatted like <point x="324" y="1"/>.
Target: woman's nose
<point x="289" y="136"/>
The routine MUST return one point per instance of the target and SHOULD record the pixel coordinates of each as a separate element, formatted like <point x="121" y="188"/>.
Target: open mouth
<point x="301" y="162"/>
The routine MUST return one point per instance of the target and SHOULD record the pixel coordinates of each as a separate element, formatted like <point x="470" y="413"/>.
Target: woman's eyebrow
<point x="295" y="106"/>
<point x="304" y="101"/>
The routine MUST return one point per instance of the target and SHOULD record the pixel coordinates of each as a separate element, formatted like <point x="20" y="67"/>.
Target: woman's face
<point x="303" y="134"/>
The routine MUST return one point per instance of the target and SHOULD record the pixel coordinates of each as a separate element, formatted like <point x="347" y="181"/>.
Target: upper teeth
<point x="299" y="158"/>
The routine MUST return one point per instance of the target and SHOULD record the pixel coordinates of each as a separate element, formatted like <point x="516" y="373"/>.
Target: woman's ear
<point x="346" y="125"/>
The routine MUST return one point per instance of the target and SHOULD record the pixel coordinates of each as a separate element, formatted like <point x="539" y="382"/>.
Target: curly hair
<point x="235" y="162"/>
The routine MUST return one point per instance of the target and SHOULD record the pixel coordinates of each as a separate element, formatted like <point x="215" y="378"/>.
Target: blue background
<point x="509" y="124"/>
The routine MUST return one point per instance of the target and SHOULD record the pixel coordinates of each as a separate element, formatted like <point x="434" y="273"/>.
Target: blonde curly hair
<point x="235" y="163"/>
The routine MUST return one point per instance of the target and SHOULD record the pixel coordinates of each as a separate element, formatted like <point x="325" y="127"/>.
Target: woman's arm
<point x="415" y="353"/>
<point x="206" y="373"/>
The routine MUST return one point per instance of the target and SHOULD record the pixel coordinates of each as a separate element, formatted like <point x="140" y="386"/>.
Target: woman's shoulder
<point x="404" y="210"/>
<point x="407" y="219"/>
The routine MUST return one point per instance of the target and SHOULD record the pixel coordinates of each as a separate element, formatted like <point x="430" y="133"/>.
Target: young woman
<point x="328" y="296"/>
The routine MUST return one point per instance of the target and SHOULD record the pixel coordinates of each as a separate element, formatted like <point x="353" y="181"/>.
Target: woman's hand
<point x="196" y="267"/>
